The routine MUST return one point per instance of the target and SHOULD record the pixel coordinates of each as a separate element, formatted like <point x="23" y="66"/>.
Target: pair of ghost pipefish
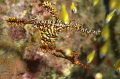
<point x="50" y="29"/>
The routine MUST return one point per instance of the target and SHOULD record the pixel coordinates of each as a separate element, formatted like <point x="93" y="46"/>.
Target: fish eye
<point x="117" y="71"/>
<point x="106" y="21"/>
<point x="74" y="11"/>
<point x="92" y="4"/>
<point x="93" y="38"/>
<point x="88" y="60"/>
<point x="103" y="39"/>
<point x="65" y="23"/>
<point x="102" y="55"/>
<point x="117" y="13"/>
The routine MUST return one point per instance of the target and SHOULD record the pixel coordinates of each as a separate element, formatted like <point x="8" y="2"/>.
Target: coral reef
<point x="35" y="43"/>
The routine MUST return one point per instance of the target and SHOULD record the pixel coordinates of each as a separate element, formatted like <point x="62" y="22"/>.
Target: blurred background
<point x="20" y="57"/>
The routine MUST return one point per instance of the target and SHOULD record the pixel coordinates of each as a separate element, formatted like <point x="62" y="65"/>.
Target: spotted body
<point x="50" y="8"/>
<point x="49" y="30"/>
<point x="13" y="21"/>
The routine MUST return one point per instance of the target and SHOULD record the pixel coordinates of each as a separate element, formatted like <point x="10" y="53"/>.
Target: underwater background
<point x="59" y="39"/>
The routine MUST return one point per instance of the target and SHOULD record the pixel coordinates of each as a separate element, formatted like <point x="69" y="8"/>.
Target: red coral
<point x="17" y="33"/>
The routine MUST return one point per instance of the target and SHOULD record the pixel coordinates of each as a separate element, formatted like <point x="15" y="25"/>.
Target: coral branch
<point x="72" y="58"/>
